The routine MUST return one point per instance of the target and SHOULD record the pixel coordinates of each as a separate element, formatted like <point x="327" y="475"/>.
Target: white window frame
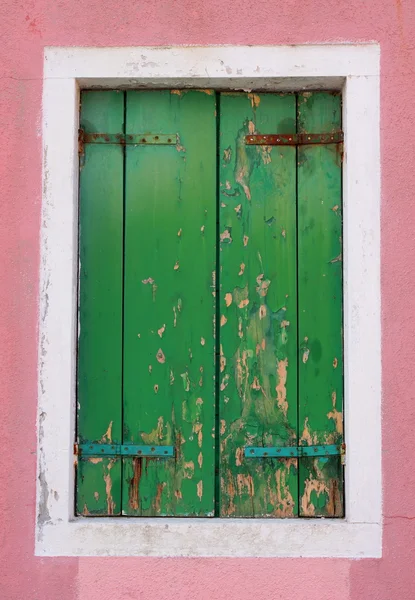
<point x="353" y="69"/>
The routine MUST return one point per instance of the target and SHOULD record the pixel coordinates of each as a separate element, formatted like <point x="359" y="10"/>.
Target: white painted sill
<point x="354" y="69"/>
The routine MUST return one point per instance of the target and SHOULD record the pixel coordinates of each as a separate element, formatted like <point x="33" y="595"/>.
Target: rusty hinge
<point x="294" y="139"/>
<point x="142" y="139"/>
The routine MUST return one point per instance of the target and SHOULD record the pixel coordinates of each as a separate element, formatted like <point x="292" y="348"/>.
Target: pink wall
<point x="26" y="27"/>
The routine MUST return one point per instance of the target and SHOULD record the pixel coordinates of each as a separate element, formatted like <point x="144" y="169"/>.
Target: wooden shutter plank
<point x="320" y="305"/>
<point x="258" y="306"/>
<point x="100" y="304"/>
<point x="169" y="348"/>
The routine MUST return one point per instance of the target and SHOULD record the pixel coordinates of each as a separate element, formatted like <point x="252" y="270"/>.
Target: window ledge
<point x="211" y="537"/>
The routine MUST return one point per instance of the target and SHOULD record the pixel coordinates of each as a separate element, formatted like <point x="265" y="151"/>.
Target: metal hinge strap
<point x="142" y="139"/>
<point x="294" y="139"/>
<point x="295" y="451"/>
<point x="123" y="450"/>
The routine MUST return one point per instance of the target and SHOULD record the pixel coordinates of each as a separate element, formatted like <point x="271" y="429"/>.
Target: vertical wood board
<point x="169" y="346"/>
<point x="258" y="312"/>
<point x="100" y="303"/>
<point x="320" y="269"/>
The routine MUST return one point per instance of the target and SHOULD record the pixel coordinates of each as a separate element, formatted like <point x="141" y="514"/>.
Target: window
<point x="352" y="69"/>
<point x="210" y="364"/>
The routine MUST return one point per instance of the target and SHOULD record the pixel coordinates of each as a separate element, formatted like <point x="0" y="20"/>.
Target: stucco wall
<point x="26" y="27"/>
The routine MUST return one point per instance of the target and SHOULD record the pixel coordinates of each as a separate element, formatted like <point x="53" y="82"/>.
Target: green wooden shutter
<point x="159" y="364"/>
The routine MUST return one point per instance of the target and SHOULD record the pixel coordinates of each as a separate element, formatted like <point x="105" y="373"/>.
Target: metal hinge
<point x="296" y="451"/>
<point x="294" y="139"/>
<point x="136" y="139"/>
<point x="122" y="450"/>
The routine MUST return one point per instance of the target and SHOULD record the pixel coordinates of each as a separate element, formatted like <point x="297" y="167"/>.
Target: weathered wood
<point x="169" y="348"/>
<point x="100" y="303"/>
<point x="320" y="305"/>
<point x="258" y="306"/>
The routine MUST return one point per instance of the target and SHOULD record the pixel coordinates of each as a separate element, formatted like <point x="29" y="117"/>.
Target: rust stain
<point x="157" y="499"/>
<point x="160" y="356"/>
<point x="281" y="388"/>
<point x="134" y="485"/>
